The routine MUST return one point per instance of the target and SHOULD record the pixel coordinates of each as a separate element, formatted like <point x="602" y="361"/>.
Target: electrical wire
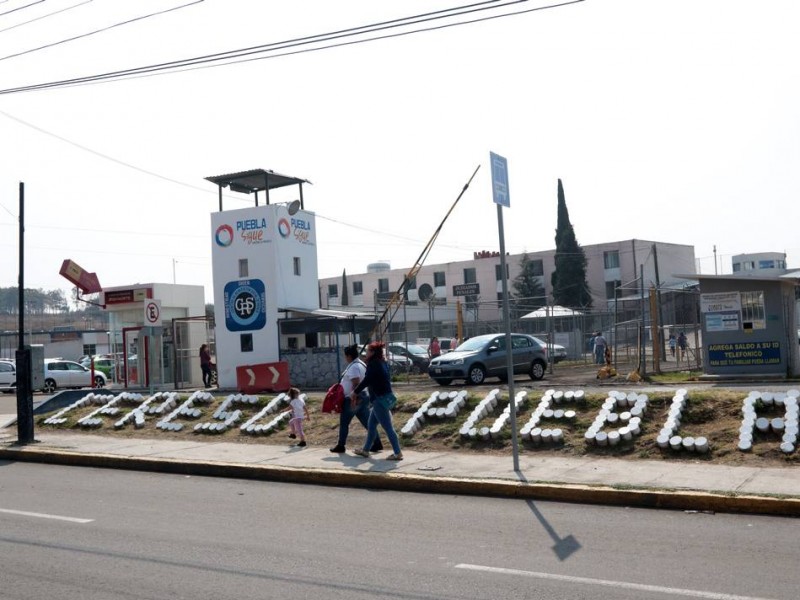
<point x="46" y="15"/>
<point x="13" y="10"/>
<point x="245" y="54"/>
<point x="101" y="30"/>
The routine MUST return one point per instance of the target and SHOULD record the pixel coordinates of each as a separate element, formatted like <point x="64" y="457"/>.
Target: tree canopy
<point x="569" y="277"/>
<point x="528" y="292"/>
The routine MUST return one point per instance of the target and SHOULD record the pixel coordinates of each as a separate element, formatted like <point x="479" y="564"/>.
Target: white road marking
<point x="44" y="516"/>
<point x="610" y="583"/>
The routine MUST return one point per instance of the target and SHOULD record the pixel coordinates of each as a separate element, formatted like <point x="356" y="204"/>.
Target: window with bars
<point x="753" y="309"/>
<point x="470" y="276"/>
<point x="611" y="259"/>
<point x="438" y="279"/>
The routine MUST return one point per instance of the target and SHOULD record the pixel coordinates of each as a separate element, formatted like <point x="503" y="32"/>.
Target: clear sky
<point x="674" y="121"/>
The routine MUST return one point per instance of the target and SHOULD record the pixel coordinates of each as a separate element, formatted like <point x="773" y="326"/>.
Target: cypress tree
<point x="569" y="277"/>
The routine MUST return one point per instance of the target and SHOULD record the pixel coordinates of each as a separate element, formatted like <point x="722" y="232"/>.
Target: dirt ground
<point x="711" y="413"/>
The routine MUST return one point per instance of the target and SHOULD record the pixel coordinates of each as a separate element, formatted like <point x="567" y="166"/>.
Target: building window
<point x="537" y="268"/>
<point x="469" y="275"/>
<point x="438" y="279"/>
<point x="358" y="288"/>
<point x="246" y="342"/>
<point x="333" y="290"/>
<point x="412" y="283"/>
<point x="292" y="341"/>
<point x="611" y="287"/>
<point x="753" y="310"/>
<point x="611" y="259"/>
<point x="296" y="262"/>
<point x="244" y="271"/>
<point x="766" y="264"/>
<point x="737" y="267"/>
<point x="748" y="265"/>
<point x="498" y="269"/>
<point x="383" y="285"/>
<point x="89" y="349"/>
<point x="311" y="340"/>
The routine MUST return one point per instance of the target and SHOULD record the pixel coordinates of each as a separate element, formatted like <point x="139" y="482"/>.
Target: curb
<point x="498" y="488"/>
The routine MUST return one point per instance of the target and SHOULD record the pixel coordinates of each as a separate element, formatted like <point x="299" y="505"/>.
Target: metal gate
<point x="186" y="359"/>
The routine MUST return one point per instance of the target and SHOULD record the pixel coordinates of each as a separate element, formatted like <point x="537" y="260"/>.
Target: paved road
<point x="102" y="534"/>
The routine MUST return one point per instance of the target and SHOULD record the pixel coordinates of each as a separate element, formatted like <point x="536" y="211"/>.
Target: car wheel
<point x="49" y="386"/>
<point x="537" y="370"/>
<point x="444" y="381"/>
<point x="99" y="381"/>
<point x="477" y="375"/>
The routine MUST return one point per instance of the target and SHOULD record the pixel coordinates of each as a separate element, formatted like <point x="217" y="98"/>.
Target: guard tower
<point x="264" y="260"/>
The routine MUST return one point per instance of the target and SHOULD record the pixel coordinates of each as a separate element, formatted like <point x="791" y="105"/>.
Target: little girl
<point x="297" y="406"/>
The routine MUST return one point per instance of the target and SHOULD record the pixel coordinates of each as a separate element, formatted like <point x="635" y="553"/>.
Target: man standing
<point x="600" y="348"/>
<point x="352" y="376"/>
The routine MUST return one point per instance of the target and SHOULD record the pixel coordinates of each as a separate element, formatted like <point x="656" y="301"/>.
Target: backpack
<point x="334" y="399"/>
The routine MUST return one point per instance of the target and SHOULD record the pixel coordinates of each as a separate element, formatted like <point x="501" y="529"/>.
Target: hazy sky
<point x="676" y="121"/>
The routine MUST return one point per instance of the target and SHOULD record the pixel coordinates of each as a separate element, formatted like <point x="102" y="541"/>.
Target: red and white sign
<point x="152" y="313"/>
<point x="270" y="377"/>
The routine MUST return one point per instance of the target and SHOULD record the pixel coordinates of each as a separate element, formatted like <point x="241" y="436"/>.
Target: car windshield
<point x="475" y="343"/>
<point x="416" y="349"/>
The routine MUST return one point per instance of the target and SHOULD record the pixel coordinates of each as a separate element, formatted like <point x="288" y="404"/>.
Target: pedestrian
<point x="681" y="345"/>
<point x="299" y="410"/>
<point x="352" y="376"/>
<point x="672" y="341"/>
<point x="453" y="344"/>
<point x="600" y="348"/>
<point x="205" y="365"/>
<point x="377" y="380"/>
<point x="434" y="348"/>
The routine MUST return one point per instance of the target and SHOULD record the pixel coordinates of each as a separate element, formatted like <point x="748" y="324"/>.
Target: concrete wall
<point x="314" y="368"/>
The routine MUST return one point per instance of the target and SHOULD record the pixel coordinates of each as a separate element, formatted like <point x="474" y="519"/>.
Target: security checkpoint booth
<point x="749" y="325"/>
<point x="264" y="260"/>
<point x="155" y="332"/>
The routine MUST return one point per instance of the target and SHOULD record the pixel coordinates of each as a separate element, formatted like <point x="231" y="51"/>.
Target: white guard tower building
<point x="264" y="260"/>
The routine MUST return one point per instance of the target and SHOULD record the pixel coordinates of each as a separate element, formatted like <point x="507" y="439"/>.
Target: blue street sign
<point x="500" y="180"/>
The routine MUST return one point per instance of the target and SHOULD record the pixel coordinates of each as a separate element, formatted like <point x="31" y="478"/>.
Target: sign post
<point x="152" y="319"/>
<point x="500" y="195"/>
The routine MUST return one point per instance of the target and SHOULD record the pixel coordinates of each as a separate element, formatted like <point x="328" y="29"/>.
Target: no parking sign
<point x="152" y="313"/>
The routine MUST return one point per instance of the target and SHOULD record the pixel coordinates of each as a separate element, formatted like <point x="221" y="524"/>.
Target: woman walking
<point x="205" y="365"/>
<point x="382" y="398"/>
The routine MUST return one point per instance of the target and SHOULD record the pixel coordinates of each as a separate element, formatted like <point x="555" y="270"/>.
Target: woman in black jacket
<point x="382" y="398"/>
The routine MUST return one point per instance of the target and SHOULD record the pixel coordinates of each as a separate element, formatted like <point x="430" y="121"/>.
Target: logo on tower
<point x="284" y="229"/>
<point x="245" y="305"/>
<point x="224" y="236"/>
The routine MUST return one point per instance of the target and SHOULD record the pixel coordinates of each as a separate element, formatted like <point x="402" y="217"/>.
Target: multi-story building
<point x="761" y="264"/>
<point x="613" y="271"/>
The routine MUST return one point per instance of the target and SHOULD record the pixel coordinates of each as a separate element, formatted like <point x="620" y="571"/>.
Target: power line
<point x="8" y="12"/>
<point x="246" y="54"/>
<point x="83" y="35"/>
<point x="50" y="14"/>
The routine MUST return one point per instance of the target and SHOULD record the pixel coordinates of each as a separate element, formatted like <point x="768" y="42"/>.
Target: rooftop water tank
<point x="379" y="267"/>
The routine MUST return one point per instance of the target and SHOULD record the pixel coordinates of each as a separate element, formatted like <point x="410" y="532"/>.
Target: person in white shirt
<point x="299" y="410"/>
<point x="351" y="377"/>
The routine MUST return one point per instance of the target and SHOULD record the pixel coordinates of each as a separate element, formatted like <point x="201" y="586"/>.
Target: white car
<point x="60" y="373"/>
<point x="559" y="351"/>
<point x="8" y="376"/>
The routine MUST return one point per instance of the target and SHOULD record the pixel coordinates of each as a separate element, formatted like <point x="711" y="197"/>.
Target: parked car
<point x="106" y="365"/>
<point x="59" y="373"/>
<point x="8" y="376"/>
<point x="417" y="354"/>
<point x="485" y="356"/>
<point x="397" y="362"/>
<point x="559" y="351"/>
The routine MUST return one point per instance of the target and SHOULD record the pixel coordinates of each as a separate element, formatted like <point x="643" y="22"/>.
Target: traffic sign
<point x="152" y="313"/>
<point x="500" y="192"/>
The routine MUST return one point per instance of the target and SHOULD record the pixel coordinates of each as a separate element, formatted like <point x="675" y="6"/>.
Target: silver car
<point x="68" y="374"/>
<point x="485" y="356"/>
<point x="8" y="376"/>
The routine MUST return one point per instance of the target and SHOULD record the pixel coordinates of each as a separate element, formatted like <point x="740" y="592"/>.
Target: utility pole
<point x="661" y="341"/>
<point x="24" y="381"/>
<point x="715" y="259"/>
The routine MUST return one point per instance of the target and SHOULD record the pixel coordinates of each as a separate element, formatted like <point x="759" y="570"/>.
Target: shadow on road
<point x="564" y="547"/>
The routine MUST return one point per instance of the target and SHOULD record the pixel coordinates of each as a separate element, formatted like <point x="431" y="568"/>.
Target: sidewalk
<point x="643" y="483"/>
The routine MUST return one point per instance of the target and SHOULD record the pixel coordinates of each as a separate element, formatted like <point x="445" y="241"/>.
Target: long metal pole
<point x="509" y="350"/>
<point x="24" y="383"/>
